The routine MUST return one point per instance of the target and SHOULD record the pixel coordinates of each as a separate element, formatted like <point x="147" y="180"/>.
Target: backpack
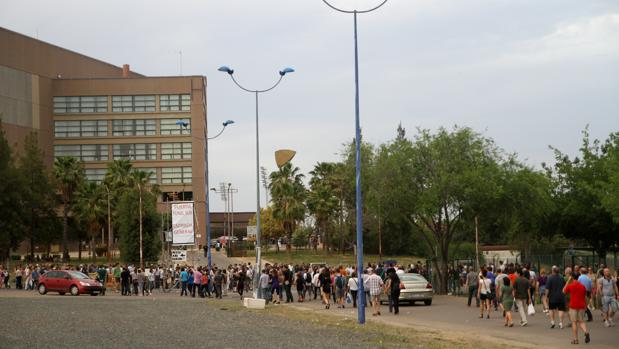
<point x="308" y="278"/>
<point x="339" y="282"/>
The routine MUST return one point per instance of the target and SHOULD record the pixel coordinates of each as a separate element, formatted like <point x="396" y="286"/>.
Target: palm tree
<point x="322" y="200"/>
<point x="90" y="208"/>
<point x="288" y="197"/>
<point x="116" y="180"/>
<point x="69" y="174"/>
<point x="139" y="181"/>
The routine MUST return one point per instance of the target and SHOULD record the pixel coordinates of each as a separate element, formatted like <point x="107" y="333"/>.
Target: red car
<point x="63" y="281"/>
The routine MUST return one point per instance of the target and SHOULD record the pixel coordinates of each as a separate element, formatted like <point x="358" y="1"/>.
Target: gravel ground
<point x="162" y="321"/>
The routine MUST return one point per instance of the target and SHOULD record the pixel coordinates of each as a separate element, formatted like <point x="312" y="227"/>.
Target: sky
<point x="526" y="73"/>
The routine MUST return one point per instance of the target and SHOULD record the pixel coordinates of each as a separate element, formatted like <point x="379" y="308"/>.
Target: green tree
<point x="610" y="189"/>
<point x="11" y="211"/>
<point x="38" y="196"/>
<point x="270" y="228"/>
<point x="129" y="225"/>
<point x="300" y="237"/>
<point x="117" y="180"/>
<point x="288" y="197"/>
<point x="90" y="209"/>
<point x="582" y="187"/>
<point x="69" y="174"/>
<point x="322" y="200"/>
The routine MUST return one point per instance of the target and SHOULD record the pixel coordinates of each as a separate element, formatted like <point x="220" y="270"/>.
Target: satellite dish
<point x="283" y="156"/>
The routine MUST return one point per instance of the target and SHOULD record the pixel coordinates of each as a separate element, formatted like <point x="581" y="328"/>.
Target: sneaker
<point x="560" y="325"/>
<point x="612" y="323"/>
<point x="552" y="324"/>
<point x="606" y="323"/>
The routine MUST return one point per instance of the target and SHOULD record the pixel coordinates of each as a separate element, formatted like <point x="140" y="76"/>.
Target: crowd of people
<point x="576" y="291"/>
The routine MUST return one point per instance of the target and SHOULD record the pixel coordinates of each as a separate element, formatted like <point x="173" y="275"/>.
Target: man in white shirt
<point x="375" y="286"/>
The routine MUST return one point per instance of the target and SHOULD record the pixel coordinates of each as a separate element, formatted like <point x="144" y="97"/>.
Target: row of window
<point x="139" y="151"/>
<point x="120" y="104"/>
<point x="169" y="175"/>
<point x="129" y="127"/>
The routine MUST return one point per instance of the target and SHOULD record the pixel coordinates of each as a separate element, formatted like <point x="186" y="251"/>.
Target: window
<point x="95" y="174"/>
<point x="174" y="103"/>
<point x="80" y="104"/>
<point x="83" y="128"/>
<point x="153" y="173"/>
<point x="175" y="151"/>
<point x="170" y="127"/>
<point x="83" y="152"/>
<point x="134" y="127"/>
<point x="125" y="104"/>
<point x="175" y="175"/>
<point x="134" y="151"/>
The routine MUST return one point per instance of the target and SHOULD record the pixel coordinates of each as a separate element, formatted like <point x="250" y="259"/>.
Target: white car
<point x="416" y="288"/>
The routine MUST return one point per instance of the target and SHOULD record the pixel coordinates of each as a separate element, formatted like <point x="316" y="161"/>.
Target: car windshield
<point x="78" y="275"/>
<point x="412" y="278"/>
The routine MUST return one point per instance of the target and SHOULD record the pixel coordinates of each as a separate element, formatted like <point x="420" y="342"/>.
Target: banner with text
<point x="182" y="224"/>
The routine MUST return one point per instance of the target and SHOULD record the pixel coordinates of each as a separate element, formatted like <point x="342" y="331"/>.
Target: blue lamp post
<point x="282" y="73"/>
<point x="359" y="206"/>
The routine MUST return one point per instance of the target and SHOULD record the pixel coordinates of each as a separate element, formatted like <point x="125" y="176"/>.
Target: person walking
<point x="541" y="289"/>
<point x="264" y="286"/>
<point x="578" y="304"/>
<point x="197" y="283"/>
<point x="276" y="287"/>
<point x="584" y="279"/>
<point x="288" y="284"/>
<point x="471" y="286"/>
<point x="240" y="285"/>
<point x="325" y="285"/>
<point x="505" y="293"/>
<point x="609" y="295"/>
<point x="340" y="289"/>
<point x="125" y="280"/>
<point x="555" y="296"/>
<point x="218" y="281"/>
<point x="522" y="294"/>
<point x="184" y="276"/>
<point x="375" y="286"/>
<point x="393" y="289"/>
<point x="484" y="293"/>
<point x="353" y="288"/>
<point x="300" y="285"/>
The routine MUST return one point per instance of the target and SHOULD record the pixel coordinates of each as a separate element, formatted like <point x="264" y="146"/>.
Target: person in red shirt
<point x="578" y="304"/>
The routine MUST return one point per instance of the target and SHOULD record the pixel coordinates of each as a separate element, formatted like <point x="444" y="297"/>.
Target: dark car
<point x="74" y="282"/>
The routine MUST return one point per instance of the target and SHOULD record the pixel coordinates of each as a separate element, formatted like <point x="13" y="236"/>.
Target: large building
<point x="98" y="112"/>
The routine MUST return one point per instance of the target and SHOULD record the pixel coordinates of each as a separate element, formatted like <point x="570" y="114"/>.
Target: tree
<point x="90" y="208"/>
<point x="38" y="196"/>
<point x="610" y="189"/>
<point x="288" y="197"/>
<point x="117" y="180"/>
<point x="270" y="228"/>
<point x="69" y="174"/>
<point x="322" y="200"/>
<point x="11" y="211"/>
<point x="128" y="222"/>
<point x="447" y="173"/>
<point x="582" y="189"/>
<point x="139" y="181"/>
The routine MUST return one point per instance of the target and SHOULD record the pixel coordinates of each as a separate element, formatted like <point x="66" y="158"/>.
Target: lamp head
<point x="228" y="122"/>
<point x="223" y="68"/>
<point x="286" y="71"/>
<point x="182" y="123"/>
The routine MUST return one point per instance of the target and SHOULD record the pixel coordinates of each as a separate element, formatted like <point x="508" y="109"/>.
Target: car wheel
<point x="75" y="291"/>
<point x="427" y="302"/>
<point x="42" y="289"/>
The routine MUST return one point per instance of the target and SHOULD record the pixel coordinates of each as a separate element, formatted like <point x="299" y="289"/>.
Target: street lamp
<point x="361" y="308"/>
<point x="206" y="188"/>
<point x="282" y="73"/>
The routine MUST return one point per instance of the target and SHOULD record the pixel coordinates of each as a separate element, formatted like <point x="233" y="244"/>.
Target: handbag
<point x="531" y="309"/>
<point x="348" y="298"/>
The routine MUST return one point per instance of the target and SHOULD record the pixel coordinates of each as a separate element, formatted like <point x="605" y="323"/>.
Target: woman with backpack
<point x="340" y="288"/>
<point x="484" y="293"/>
<point x="325" y="285"/>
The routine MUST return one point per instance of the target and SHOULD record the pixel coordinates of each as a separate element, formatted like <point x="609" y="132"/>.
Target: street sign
<point x="179" y="255"/>
<point x="251" y="231"/>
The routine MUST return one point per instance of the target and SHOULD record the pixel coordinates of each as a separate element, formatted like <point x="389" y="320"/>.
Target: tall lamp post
<point x="258" y="265"/>
<point x="361" y="308"/>
<point x="206" y="179"/>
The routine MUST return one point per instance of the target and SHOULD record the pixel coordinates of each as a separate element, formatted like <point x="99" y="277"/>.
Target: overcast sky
<point x="528" y="73"/>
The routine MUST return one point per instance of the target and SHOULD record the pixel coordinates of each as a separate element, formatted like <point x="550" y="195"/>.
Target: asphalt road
<point x="161" y="321"/>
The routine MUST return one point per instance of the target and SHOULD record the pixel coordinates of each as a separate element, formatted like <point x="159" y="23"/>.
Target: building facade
<point x="98" y="112"/>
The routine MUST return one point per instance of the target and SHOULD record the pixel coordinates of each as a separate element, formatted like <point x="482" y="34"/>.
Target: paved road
<point x="163" y="321"/>
<point x="451" y="314"/>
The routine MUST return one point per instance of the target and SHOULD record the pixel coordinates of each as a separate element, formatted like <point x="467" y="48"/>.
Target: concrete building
<point x="98" y="112"/>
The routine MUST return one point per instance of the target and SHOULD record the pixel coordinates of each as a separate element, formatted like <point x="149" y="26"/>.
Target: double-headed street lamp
<point x="258" y="265"/>
<point x="361" y="308"/>
<point x="206" y="179"/>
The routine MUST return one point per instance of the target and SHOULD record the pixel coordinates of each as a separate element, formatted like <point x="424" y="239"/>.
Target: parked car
<point x="416" y="288"/>
<point x="74" y="282"/>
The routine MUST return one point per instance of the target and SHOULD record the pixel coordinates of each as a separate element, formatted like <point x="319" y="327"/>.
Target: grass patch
<point x="333" y="259"/>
